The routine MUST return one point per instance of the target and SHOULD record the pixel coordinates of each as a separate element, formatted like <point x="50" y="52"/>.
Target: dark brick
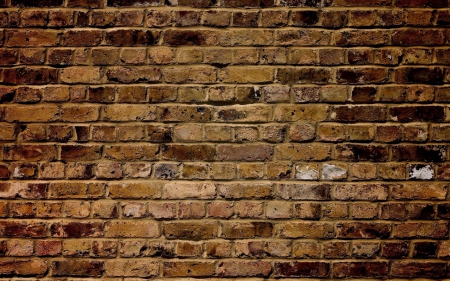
<point x="85" y="3"/>
<point x="18" y="229"/>
<point x="184" y="37"/>
<point x="395" y="250"/>
<point x="77" y="229"/>
<point x="362" y="75"/>
<point x="37" y="3"/>
<point x="102" y="94"/>
<point x="8" y="56"/>
<point x="420" y="75"/>
<point x="130" y="37"/>
<point x="363" y="94"/>
<point x="138" y="3"/>
<point x="443" y="211"/>
<point x="79" y="268"/>
<point x="425" y="153"/>
<point x="363" y="230"/>
<point x="421" y="3"/>
<point x="305" y="18"/>
<point x="365" y="113"/>
<point x="418" y="269"/>
<point x="248" y="3"/>
<point x="301" y="3"/>
<point x="80" y="152"/>
<point x="27" y="76"/>
<point x="425" y="249"/>
<point x="302" y="269"/>
<point x="418" y="37"/>
<point x="417" y="113"/>
<point x="193" y="3"/>
<point x="360" y="269"/>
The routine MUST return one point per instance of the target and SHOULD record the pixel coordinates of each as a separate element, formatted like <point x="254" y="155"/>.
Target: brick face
<point x="224" y="139"/>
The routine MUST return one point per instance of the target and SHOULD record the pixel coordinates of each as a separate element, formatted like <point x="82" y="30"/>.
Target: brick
<point x="25" y="229"/>
<point x="361" y="38"/>
<point x="420" y="230"/>
<point x="360" y="152"/>
<point x="360" y="269"/>
<point x="310" y="152"/>
<point x="131" y="151"/>
<point x="419" y="75"/>
<point x="246" y="229"/>
<point x="82" y="38"/>
<point x="177" y="190"/>
<point x="104" y="248"/>
<point x="132" y="268"/>
<point x="427" y="153"/>
<point x="314" y="192"/>
<point x="125" y="3"/>
<point x="241" y="269"/>
<point x="418" y="269"/>
<point x="244" y="113"/>
<point x="37" y="76"/>
<point x="137" y="190"/>
<point x="79" y="268"/>
<point x="422" y="3"/>
<point x="133" y="229"/>
<point x="190" y="230"/>
<point x="23" y="267"/>
<point x="352" y="192"/>
<point x="244" y="190"/>
<point x="291" y="37"/>
<point x="188" y="268"/>
<point x="306" y="230"/>
<point x="245" y="152"/>
<point x="31" y="38"/>
<point x="76" y="189"/>
<point x="413" y="37"/>
<point x="363" y="230"/>
<point x="48" y="247"/>
<point x="85" y="3"/>
<point x="29" y="152"/>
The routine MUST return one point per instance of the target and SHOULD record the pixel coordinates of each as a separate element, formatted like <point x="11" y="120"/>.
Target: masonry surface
<point x="229" y="139"/>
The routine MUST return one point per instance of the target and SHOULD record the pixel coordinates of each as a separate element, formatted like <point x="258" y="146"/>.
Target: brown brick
<point x="302" y="269"/>
<point x="360" y="269"/>
<point x="131" y="268"/>
<point x="190" y="230"/>
<point x="418" y="269"/>
<point x="133" y="229"/>
<point x="244" y="269"/>
<point x="188" y="268"/>
<point x="247" y="229"/>
<point x="363" y="230"/>
<point x="23" y="267"/>
<point x="23" y="229"/>
<point x="79" y="268"/>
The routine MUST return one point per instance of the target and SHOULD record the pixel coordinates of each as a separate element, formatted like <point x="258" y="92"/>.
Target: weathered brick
<point x="190" y="230"/>
<point x="418" y="269"/>
<point x="306" y="230"/>
<point x="23" y="267"/>
<point x="241" y="269"/>
<point x="360" y="269"/>
<point x="133" y="229"/>
<point x="188" y="268"/>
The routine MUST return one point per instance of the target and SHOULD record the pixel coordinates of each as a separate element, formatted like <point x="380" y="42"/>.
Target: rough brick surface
<point x="224" y="139"/>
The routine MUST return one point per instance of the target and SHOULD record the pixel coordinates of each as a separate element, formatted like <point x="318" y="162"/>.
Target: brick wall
<point x="224" y="139"/>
